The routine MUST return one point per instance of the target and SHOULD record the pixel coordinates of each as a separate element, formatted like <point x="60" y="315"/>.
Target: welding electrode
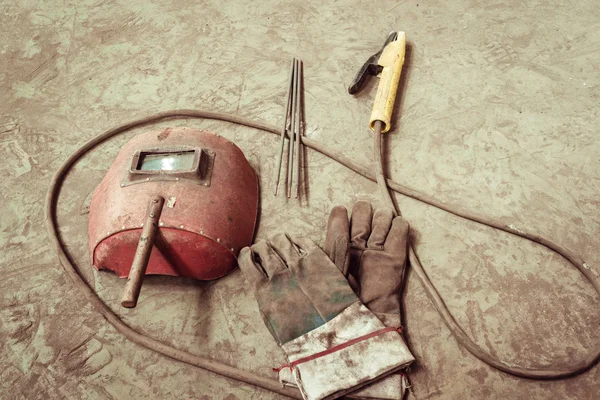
<point x="294" y="113"/>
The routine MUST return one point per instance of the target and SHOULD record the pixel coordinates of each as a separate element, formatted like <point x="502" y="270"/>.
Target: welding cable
<point x="533" y="373"/>
<point x="271" y="384"/>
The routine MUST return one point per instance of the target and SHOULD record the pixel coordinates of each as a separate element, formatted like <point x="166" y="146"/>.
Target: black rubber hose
<point x="270" y="384"/>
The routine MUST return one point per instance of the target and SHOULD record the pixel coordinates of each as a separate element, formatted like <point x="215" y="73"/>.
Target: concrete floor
<point x="498" y="112"/>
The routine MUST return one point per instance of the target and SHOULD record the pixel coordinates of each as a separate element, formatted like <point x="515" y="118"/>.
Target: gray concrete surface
<point x="498" y="112"/>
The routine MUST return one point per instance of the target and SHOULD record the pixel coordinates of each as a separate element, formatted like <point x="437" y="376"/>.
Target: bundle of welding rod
<point x="292" y="128"/>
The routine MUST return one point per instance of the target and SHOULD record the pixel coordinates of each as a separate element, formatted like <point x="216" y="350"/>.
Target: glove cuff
<point x="348" y="352"/>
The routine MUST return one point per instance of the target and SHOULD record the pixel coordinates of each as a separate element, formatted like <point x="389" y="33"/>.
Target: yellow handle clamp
<point x="387" y="64"/>
<point x="391" y="59"/>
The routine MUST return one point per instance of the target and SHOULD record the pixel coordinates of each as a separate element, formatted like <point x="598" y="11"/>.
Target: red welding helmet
<point x="210" y="209"/>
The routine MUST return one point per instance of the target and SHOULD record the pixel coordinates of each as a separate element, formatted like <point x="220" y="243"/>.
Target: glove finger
<point x="286" y="249"/>
<point x="397" y="239"/>
<point x="382" y="222"/>
<point x="337" y="239"/>
<point x="252" y="271"/>
<point x="303" y="245"/>
<point x="360" y="224"/>
<point x="268" y="258"/>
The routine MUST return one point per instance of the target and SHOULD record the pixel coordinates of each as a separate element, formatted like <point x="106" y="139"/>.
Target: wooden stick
<point x="142" y="254"/>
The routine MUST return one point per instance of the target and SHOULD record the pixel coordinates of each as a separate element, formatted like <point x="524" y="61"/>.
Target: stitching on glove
<point x="339" y="347"/>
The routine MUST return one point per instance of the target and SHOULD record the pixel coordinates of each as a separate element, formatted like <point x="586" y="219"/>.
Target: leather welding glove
<point x="374" y="268"/>
<point x="333" y="343"/>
